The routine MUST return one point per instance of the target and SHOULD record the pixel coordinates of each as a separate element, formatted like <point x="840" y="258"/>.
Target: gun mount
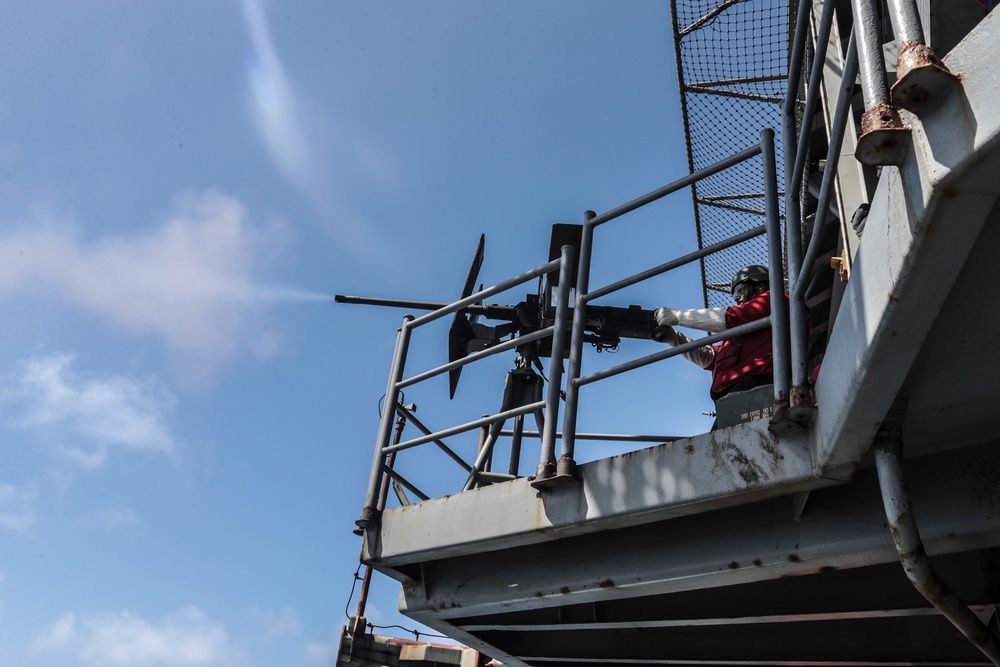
<point x="605" y="326"/>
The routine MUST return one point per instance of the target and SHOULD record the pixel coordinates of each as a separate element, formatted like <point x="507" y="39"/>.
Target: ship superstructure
<point x="853" y="518"/>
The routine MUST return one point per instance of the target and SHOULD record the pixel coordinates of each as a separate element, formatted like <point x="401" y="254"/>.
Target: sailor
<point x="739" y="363"/>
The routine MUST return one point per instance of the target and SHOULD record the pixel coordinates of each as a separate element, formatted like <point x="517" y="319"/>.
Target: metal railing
<point x="921" y="75"/>
<point x="551" y="471"/>
<point x="779" y="317"/>
<point x="397" y="383"/>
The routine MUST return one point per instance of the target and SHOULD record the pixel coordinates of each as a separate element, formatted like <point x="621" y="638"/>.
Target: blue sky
<point x="186" y="419"/>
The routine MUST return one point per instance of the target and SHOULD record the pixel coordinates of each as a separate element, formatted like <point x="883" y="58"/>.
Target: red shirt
<point x="746" y="355"/>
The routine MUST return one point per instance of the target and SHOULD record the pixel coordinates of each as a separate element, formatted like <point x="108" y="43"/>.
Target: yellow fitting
<point x="839" y="262"/>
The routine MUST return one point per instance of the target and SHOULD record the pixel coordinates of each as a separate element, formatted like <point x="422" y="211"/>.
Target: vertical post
<point x="791" y="153"/>
<point x="793" y="242"/>
<point x="868" y="29"/>
<point x="779" y="309"/>
<point x="882" y="132"/>
<point x="370" y="513"/>
<point x="797" y="284"/>
<point x="906" y="21"/>
<point x="547" y="465"/>
<point x="566" y="463"/>
<point x="366" y="581"/>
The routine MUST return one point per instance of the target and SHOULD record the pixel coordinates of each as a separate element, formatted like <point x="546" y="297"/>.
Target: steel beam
<point x="925" y="219"/>
<point x="954" y="493"/>
<point x="687" y="476"/>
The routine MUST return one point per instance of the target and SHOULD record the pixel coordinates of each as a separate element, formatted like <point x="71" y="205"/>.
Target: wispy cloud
<point x="301" y="144"/>
<point x="186" y="638"/>
<point x="87" y="417"/>
<point x="191" y="281"/>
<point x="276" y="110"/>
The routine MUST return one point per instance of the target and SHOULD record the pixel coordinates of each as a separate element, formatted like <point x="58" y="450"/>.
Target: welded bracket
<point x="921" y="76"/>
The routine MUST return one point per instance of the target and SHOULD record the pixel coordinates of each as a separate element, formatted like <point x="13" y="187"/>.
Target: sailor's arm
<point x="704" y="319"/>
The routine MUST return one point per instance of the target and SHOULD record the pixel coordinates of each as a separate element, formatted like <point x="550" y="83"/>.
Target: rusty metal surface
<point x="920" y="77"/>
<point x="883" y="136"/>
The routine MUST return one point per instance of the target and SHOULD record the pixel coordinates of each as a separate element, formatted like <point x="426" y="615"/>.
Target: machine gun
<point x="605" y="326"/>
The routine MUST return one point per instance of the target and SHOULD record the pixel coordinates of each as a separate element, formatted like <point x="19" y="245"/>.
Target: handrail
<point x="574" y="379"/>
<point x="371" y="512"/>
<point x="634" y="364"/>
<point x="549" y="467"/>
<point x="482" y="294"/>
<point x="673" y="264"/>
<point x="476" y="356"/>
<point x="463" y="428"/>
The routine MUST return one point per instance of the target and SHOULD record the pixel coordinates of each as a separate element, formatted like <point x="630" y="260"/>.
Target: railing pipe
<point x="796" y="57"/>
<point x="793" y="243"/>
<point x="906" y="21"/>
<point x="495" y="477"/>
<point x="407" y="484"/>
<point x="672" y="352"/>
<point x="916" y="564"/>
<point x="576" y="343"/>
<point x="812" y="98"/>
<point x="370" y="513"/>
<point x="476" y="356"/>
<point x="426" y="431"/>
<point x="468" y="426"/>
<point x="837" y="130"/>
<point x="779" y="307"/>
<point x="366" y="580"/>
<point x="489" y="291"/>
<point x="871" y="60"/>
<point x="671" y="265"/>
<point x="679" y="184"/>
<point x="548" y="455"/>
<point x="606" y="437"/>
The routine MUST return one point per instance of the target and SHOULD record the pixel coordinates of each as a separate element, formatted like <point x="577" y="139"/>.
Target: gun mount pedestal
<point x="522" y="386"/>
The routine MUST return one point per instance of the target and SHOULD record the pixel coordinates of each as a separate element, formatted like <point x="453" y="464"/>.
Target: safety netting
<point x="732" y="61"/>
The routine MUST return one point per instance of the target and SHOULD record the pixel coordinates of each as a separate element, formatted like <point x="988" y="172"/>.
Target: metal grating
<point x="732" y="69"/>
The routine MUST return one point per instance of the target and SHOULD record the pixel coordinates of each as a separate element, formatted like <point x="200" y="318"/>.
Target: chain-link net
<point x="732" y="67"/>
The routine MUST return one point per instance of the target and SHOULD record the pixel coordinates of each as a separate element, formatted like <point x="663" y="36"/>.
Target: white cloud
<point x="190" y="282"/>
<point x="16" y="508"/>
<point x="186" y="638"/>
<point x="88" y="417"/>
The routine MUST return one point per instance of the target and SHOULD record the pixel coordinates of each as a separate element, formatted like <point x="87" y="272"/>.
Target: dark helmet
<point x="754" y="273"/>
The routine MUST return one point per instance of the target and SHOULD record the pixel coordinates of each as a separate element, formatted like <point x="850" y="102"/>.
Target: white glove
<point x="700" y="356"/>
<point x="665" y="317"/>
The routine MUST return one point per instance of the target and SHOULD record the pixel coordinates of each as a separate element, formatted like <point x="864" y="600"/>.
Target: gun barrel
<point x="390" y="303"/>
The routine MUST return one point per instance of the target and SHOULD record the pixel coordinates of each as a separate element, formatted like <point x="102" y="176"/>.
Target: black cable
<point x="415" y="633"/>
<point x="347" y="606"/>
